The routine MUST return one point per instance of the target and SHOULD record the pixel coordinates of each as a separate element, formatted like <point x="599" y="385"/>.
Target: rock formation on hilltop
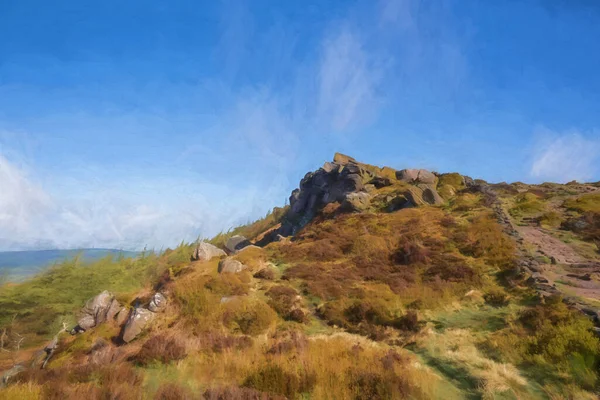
<point x="352" y="184"/>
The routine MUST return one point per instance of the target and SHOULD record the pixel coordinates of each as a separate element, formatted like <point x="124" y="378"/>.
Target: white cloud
<point x="113" y="216"/>
<point x="566" y="157"/>
<point x="348" y="80"/>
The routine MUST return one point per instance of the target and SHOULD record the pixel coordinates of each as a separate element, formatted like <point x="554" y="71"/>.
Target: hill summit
<point x="374" y="283"/>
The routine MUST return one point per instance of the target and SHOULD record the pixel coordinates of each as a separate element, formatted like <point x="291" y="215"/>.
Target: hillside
<point x="21" y="264"/>
<point x="374" y="283"/>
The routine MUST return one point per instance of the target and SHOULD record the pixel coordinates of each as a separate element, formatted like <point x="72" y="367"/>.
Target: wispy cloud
<point x="562" y="157"/>
<point x="115" y="216"/>
<point x="348" y="80"/>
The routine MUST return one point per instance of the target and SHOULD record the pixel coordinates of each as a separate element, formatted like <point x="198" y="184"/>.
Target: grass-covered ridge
<point x="425" y="302"/>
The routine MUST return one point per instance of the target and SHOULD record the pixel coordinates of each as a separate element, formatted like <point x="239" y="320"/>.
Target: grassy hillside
<point x="428" y="302"/>
<point x="15" y="265"/>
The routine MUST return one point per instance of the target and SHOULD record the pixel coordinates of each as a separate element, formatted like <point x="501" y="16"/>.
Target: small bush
<point x="266" y="274"/>
<point x="172" y="391"/>
<point x="550" y="219"/>
<point x="272" y="378"/>
<point x="161" y="348"/>
<point x="373" y="386"/>
<point x="496" y="298"/>
<point x="238" y="393"/>
<point x="526" y="204"/>
<point x="250" y="317"/>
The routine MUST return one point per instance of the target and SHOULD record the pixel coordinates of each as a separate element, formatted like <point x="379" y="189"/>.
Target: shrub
<point x="466" y="202"/>
<point x="266" y="274"/>
<point x="172" y="391"/>
<point x="229" y="284"/>
<point x="496" y="298"/>
<point x="249" y="317"/>
<point x="550" y="219"/>
<point x="408" y="322"/>
<point x="162" y="349"/>
<point x="195" y="302"/>
<point x="272" y="378"/>
<point x="526" y="203"/>
<point x="373" y="386"/>
<point x="238" y="393"/>
<point x="483" y="238"/>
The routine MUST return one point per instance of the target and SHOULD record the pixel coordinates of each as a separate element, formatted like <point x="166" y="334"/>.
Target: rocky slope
<point x="374" y="283"/>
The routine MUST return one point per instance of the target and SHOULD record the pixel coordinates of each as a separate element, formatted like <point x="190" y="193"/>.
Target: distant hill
<point x="21" y="264"/>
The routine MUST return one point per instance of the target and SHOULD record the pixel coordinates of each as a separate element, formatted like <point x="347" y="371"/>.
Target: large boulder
<point x="417" y="176"/>
<point x="422" y="195"/>
<point x="122" y="316"/>
<point x="94" y="312"/>
<point x="138" y="320"/>
<point x="230" y="265"/>
<point x="357" y="202"/>
<point x="206" y="251"/>
<point x="431" y="196"/>
<point x="113" y="310"/>
<point x="236" y="243"/>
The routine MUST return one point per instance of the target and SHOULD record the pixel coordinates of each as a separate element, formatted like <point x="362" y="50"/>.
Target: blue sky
<point x="125" y="124"/>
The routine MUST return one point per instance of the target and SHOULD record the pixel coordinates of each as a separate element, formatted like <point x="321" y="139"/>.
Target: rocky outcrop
<point x="332" y="183"/>
<point x="137" y="322"/>
<point x="95" y="312"/>
<point x="230" y="265"/>
<point x="206" y="251"/>
<point x="236" y="243"/>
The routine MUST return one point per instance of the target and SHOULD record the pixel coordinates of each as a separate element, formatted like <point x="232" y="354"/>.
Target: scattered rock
<point x="536" y="278"/>
<point x="138" y="320"/>
<point x="122" y="316"/>
<point x="417" y="176"/>
<point x="236" y="242"/>
<point x="11" y="373"/>
<point x="158" y="303"/>
<point x="94" y="312"/>
<point x="356" y="201"/>
<point x="229" y="265"/>
<point x="206" y="251"/>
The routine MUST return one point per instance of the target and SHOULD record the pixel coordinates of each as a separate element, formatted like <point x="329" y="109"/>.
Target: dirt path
<point x="550" y="246"/>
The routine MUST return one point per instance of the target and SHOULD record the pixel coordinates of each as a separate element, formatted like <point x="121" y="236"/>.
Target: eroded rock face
<point x="206" y="251"/>
<point x="229" y="265"/>
<point x="236" y="243"/>
<point x="138" y="320"/>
